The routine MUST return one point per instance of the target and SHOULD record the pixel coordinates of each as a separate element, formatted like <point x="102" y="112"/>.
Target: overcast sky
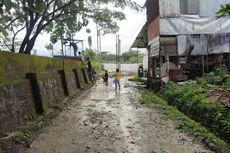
<point x="129" y="29"/>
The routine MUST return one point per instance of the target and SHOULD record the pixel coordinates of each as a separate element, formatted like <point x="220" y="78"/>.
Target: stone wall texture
<point x="71" y="83"/>
<point x="20" y="94"/>
<point x="16" y="102"/>
<point x="51" y="89"/>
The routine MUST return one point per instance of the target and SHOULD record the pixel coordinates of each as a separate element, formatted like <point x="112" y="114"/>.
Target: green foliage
<point x="129" y="57"/>
<point x="3" y="31"/>
<point x="89" y="53"/>
<point x="30" y="115"/>
<point x="23" y="137"/>
<point x="93" y="56"/>
<point x="191" y="101"/>
<point x="217" y="76"/>
<point x="61" y="18"/>
<point x="224" y="11"/>
<point x="108" y="58"/>
<point x="135" y="78"/>
<point x="183" y="122"/>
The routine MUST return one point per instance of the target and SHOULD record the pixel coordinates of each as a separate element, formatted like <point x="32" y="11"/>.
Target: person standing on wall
<point x="80" y="56"/>
<point x="117" y="77"/>
<point x="90" y="69"/>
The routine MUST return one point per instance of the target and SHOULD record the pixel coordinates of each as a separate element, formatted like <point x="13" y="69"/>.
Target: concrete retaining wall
<point x="16" y="101"/>
<point x="28" y="83"/>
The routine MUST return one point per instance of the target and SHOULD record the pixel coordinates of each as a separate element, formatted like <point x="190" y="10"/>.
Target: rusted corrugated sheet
<point x="169" y="8"/>
<point x="152" y="8"/>
<point x="153" y="29"/>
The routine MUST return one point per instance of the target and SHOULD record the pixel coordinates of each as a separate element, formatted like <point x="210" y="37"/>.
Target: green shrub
<point x="183" y="122"/>
<point x="191" y="101"/>
<point x="216" y="77"/>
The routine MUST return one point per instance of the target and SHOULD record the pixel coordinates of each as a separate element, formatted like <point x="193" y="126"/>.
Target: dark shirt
<point x="106" y="75"/>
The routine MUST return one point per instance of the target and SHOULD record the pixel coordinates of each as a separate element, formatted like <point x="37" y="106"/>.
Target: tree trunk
<point x="26" y="39"/>
<point x="29" y="47"/>
<point x="30" y="43"/>
<point x="23" y="45"/>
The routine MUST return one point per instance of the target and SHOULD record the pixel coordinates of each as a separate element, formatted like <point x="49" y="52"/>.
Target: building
<point x="184" y="36"/>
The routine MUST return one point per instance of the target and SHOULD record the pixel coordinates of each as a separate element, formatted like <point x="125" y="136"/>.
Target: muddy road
<point x="104" y="120"/>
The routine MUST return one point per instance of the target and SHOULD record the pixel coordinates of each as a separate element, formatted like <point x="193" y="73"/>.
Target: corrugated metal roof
<point x="141" y="39"/>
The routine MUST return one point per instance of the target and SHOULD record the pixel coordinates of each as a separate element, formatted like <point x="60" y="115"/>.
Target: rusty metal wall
<point x="153" y="29"/>
<point x="153" y="37"/>
<point x="152" y="8"/>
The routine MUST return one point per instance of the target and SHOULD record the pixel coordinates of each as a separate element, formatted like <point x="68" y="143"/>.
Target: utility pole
<point x="99" y="42"/>
<point x="100" y="46"/>
<point x="119" y="53"/>
<point x="116" y="51"/>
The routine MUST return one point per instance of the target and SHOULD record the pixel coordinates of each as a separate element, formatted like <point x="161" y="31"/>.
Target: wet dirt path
<point x="103" y="120"/>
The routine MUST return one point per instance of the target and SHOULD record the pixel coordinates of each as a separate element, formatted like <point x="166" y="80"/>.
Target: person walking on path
<point x="117" y="77"/>
<point x="106" y="77"/>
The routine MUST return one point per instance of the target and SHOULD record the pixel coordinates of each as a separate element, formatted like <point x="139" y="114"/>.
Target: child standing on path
<point x="106" y="77"/>
<point x="117" y="77"/>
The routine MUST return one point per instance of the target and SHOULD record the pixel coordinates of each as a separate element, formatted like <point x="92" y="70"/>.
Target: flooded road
<point x="104" y="120"/>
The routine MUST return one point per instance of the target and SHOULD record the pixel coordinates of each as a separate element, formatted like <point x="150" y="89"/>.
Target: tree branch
<point x="13" y="39"/>
<point x="11" y="22"/>
<point x="62" y="7"/>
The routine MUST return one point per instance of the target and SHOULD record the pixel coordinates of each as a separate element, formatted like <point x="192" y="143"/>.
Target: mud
<point x="104" y="120"/>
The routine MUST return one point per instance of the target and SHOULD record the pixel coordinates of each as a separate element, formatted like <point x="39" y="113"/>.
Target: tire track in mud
<point x="103" y="120"/>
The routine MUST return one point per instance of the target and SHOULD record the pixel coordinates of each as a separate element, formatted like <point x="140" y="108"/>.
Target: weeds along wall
<point x="28" y="84"/>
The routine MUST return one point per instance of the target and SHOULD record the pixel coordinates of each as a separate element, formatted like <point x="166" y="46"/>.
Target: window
<point x="190" y="7"/>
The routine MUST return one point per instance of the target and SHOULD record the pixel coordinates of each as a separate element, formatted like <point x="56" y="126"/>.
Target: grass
<point x="184" y="123"/>
<point x="135" y="78"/>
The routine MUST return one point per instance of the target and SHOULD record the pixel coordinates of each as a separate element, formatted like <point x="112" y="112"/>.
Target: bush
<point x="216" y="77"/>
<point x="191" y="101"/>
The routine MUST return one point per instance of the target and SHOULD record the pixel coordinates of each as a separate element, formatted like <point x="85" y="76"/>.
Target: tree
<point x="224" y="11"/>
<point x="58" y="17"/>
